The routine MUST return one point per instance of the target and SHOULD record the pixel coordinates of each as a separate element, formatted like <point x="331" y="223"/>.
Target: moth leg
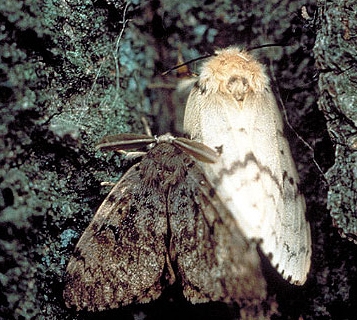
<point x="146" y="126"/>
<point x="132" y="155"/>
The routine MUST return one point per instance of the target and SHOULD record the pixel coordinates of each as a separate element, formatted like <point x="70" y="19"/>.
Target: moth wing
<point x="121" y="256"/>
<point x="213" y="260"/>
<point x="255" y="176"/>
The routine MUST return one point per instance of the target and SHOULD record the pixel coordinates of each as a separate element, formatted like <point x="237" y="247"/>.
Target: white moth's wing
<point x="232" y="109"/>
<point x="120" y="257"/>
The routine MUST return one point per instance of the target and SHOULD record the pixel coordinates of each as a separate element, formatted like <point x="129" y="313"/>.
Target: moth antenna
<point x="124" y="141"/>
<point x="208" y="55"/>
<point x="267" y="45"/>
<point x="186" y="63"/>
<point x="198" y="150"/>
<point x="183" y="71"/>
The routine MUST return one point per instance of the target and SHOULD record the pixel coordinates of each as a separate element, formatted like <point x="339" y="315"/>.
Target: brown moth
<point x="232" y="108"/>
<point x="162" y="223"/>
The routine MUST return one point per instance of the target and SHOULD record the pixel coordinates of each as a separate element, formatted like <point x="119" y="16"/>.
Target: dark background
<point x="74" y="71"/>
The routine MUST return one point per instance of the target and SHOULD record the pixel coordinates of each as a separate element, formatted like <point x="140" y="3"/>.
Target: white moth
<point x="232" y="108"/>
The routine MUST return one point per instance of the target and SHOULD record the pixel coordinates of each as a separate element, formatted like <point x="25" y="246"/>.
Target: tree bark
<point x="335" y="52"/>
<point x="74" y="71"/>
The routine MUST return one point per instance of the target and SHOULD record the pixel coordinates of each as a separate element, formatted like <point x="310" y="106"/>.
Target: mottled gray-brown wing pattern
<point x="163" y="222"/>
<point x="121" y="256"/>
<point x="212" y="258"/>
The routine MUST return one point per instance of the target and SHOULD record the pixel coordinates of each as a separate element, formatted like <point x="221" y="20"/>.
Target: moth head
<point x="233" y="71"/>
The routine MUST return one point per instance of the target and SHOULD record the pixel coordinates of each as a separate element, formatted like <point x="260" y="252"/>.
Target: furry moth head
<point x="163" y="223"/>
<point x="235" y="73"/>
<point x="232" y="108"/>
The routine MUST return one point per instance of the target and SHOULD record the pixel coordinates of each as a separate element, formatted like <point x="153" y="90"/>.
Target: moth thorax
<point x="167" y="166"/>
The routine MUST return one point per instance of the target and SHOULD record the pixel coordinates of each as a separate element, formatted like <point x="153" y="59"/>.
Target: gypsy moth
<point x="162" y="223"/>
<point x="231" y="107"/>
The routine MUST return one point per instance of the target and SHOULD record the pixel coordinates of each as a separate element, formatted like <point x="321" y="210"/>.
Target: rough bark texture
<point x="69" y="76"/>
<point x="335" y="51"/>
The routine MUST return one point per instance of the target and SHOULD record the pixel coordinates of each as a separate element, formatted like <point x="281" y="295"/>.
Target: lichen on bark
<point x="60" y="93"/>
<point x="335" y="52"/>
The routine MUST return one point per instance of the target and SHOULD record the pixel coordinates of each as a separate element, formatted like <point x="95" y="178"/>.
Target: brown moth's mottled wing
<point x="121" y="256"/>
<point x="212" y="257"/>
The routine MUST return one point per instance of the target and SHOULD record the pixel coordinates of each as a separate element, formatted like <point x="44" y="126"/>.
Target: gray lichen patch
<point x="335" y="53"/>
